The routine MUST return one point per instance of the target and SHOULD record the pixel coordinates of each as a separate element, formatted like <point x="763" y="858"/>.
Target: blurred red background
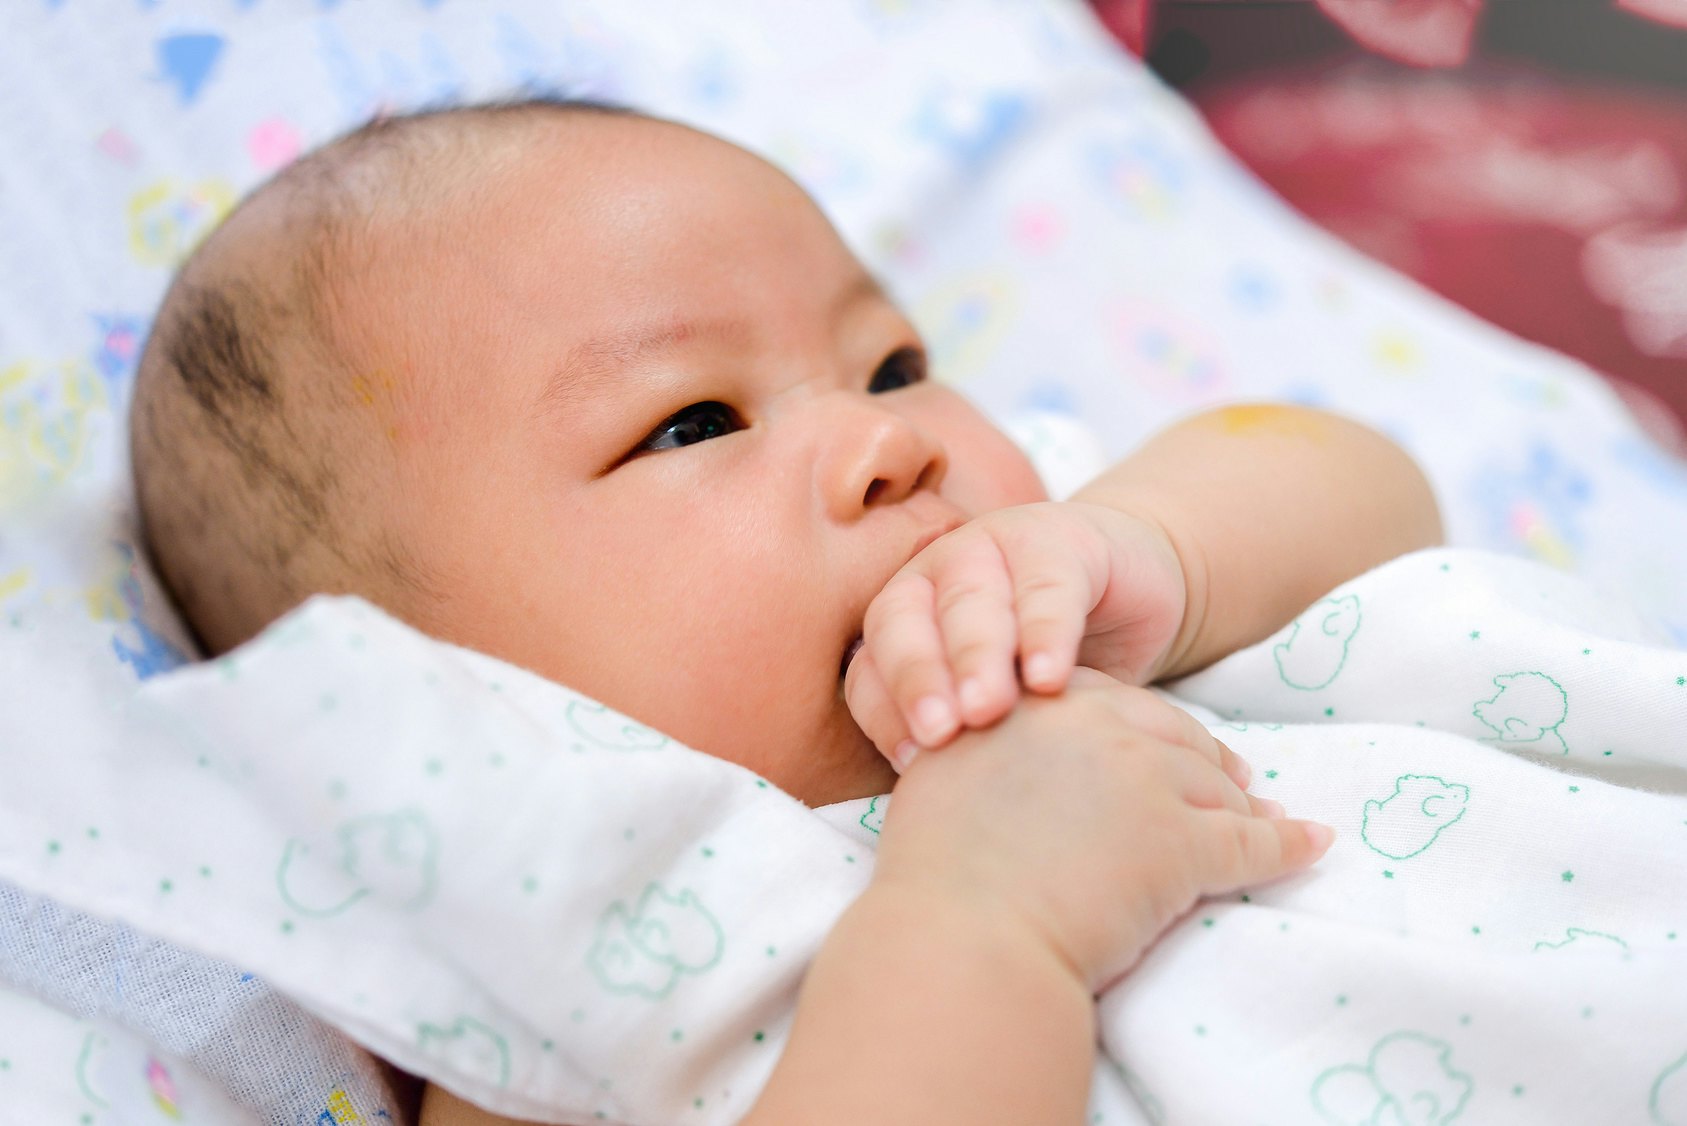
<point x="1527" y="160"/>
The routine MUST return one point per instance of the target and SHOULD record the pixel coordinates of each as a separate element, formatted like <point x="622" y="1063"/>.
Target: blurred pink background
<point x="1527" y="160"/>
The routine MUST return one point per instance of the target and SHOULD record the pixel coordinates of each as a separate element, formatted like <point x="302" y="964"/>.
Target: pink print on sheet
<point x="1038" y="228"/>
<point x="1167" y="353"/>
<point x="272" y="144"/>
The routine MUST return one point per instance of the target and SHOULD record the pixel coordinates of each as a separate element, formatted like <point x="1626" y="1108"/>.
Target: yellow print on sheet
<point x="167" y="219"/>
<point x="50" y="417"/>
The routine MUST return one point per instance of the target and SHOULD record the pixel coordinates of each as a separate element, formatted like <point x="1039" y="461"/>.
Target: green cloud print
<point x="392" y="856"/>
<point x="1316" y="648"/>
<point x="606" y="728"/>
<point x="1527" y="709"/>
<point x="643" y="951"/>
<point x="1407" y="821"/>
<point x="1409" y="1080"/>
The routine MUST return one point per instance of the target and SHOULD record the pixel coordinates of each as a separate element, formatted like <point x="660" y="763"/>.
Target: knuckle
<point x="1244" y="849"/>
<point x="1042" y="623"/>
<point x="1124" y="702"/>
<point x="1038" y="585"/>
<point x="891" y="604"/>
<point x="958" y="592"/>
<point x="911" y="687"/>
<point x="970" y="653"/>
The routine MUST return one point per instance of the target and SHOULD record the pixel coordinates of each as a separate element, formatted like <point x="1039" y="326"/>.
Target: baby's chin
<point x="848" y="767"/>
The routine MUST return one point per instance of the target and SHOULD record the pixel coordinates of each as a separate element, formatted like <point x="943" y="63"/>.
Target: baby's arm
<point x="1268" y="507"/>
<point x="1208" y="538"/>
<point x="1018" y="872"/>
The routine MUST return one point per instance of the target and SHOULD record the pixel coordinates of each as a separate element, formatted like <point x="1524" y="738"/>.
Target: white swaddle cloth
<point x="565" y="916"/>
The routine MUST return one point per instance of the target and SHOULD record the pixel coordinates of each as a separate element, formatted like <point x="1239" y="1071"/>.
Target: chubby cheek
<point x="711" y="637"/>
<point x="987" y="470"/>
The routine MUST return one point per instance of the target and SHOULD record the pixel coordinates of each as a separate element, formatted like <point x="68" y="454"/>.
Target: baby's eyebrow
<point x="590" y="366"/>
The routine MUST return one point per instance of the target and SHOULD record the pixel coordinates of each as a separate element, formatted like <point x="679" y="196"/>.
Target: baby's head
<point x="595" y="393"/>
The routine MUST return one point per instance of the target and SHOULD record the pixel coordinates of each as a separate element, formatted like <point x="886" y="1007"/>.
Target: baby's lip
<point x="924" y="540"/>
<point x="935" y="533"/>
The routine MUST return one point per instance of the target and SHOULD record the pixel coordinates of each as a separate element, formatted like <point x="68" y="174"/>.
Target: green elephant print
<point x="873" y="820"/>
<point x="1586" y="941"/>
<point x="89" y="1062"/>
<point x="1151" y="1107"/>
<point x="391" y="856"/>
<point x="1407" y="821"/>
<point x="644" y="950"/>
<point x="1409" y="1080"/>
<point x="1316" y="648"/>
<point x="471" y="1046"/>
<point x="597" y="724"/>
<point x="1668" y="1097"/>
<point x="1527" y="710"/>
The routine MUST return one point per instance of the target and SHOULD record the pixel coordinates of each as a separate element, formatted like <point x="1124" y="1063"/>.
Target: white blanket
<point x="498" y="884"/>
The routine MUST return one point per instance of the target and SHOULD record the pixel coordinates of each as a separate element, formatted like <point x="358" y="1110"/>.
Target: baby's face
<point x="660" y="438"/>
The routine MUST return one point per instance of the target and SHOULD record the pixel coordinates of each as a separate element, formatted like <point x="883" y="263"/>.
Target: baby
<point x="608" y="398"/>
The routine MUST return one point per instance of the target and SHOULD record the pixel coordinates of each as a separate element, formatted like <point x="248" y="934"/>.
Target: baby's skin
<point x="625" y="400"/>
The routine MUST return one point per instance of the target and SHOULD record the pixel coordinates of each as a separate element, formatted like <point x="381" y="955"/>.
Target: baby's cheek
<point x="987" y="470"/>
<point x="996" y="475"/>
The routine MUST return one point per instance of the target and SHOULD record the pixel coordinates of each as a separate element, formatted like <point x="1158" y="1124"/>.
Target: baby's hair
<point x="237" y="433"/>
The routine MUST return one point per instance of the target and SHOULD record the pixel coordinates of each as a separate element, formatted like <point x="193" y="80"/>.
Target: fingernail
<point x="973" y="697"/>
<point x="903" y="754"/>
<point x="1039" y="669"/>
<point x="1245" y="770"/>
<point x="1272" y="809"/>
<point x="1321" y="836"/>
<point x="933" y="720"/>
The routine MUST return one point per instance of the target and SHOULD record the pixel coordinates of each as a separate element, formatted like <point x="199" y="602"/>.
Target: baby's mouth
<point x="850" y="651"/>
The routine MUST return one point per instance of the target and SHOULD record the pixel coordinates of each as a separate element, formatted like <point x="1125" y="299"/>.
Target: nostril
<point x="874" y="490"/>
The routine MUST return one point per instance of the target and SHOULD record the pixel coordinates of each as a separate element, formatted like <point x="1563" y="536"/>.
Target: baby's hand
<point x="1092" y="821"/>
<point x="1048" y="585"/>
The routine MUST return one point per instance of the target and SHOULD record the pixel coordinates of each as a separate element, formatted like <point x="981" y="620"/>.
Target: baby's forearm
<point x="1268" y="508"/>
<point x="914" y="1015"/>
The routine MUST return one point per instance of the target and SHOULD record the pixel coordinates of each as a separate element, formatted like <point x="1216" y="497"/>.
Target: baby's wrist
<point x="933" y="912"/>
<point x="1128" y="520"/>
<point x="1191" y="561"/>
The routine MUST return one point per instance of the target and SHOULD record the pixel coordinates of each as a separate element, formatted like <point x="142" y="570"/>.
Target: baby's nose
<point x="874" y="456"/>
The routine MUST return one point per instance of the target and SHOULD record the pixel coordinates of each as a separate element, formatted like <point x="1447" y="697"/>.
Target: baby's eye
<point x="697" y="423"/>
<point x="899" y="369"/>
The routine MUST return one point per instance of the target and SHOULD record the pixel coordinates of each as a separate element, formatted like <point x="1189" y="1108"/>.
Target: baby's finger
<point x="1235" y="767"/>
<point x="980" y="633"/>
<point x="1252" y="850"/>
<point x="1205" y="788"/>
<point x="1151" y="715"/>
<point x="902" y="638"/>
<point x="1052" y="598"/>
<point x="871" y="706"/>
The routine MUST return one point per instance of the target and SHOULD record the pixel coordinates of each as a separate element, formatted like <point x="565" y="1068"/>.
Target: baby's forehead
<point x="601" y="236"/>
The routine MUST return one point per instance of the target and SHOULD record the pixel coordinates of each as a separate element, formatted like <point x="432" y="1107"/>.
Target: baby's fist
<point x="1017" y="596"/>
